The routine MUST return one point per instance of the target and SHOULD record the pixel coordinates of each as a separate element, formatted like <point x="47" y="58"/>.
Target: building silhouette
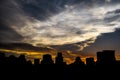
<point x="47" y="59"/>
<point x="2" y="58"/>
<point x="59" y="59"/>
<point x="106" y="57"/>
<point x="78" y="60"/>
<point x="22" y="59"/>
<point x="36" y="61"/>
<point x="106" y="64"/>
<point x="78" y="63"/>
<point x="90" y="61"/>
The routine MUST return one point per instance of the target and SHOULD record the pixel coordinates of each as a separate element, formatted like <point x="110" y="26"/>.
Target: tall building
<point x="59" y="58"/>
<point x="47" y="59"/>
<point x="106" y="56"/>
<point x="90" y="61"/>
<point x="36" y="61"/>
<point x="78" y="61"/>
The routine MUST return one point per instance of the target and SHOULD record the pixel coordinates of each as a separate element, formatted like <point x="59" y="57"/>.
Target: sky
<point x="76" y="27"/>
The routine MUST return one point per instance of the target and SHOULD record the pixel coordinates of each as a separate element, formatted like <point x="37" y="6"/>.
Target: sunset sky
<point x="75" y="27"/>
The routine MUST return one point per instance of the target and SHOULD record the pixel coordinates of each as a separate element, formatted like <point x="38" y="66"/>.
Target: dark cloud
<point x="70" y="47"/>
<point x="112" y="16"/>
<point x="115" y="1"/>
<point x="12" y="11"/>
<point x="24" y="47"/>
<point x="39" y="9"/>
<point x="117" y="11"/>
<point x="42" y="9"/>
<point x="8" y="35"/>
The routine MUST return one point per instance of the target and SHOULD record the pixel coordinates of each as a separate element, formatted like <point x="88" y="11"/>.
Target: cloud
<point x="74" y="47"/>
<point x="72" y="25"/>
<point x="75" y="23"/>
<point x="8" y="35"/>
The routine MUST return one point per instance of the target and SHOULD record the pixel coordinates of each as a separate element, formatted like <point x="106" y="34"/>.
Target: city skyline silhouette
<point x="105" y="64"/>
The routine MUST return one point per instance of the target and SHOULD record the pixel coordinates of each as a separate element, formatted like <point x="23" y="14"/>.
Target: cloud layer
<point x="60" y="23"/>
